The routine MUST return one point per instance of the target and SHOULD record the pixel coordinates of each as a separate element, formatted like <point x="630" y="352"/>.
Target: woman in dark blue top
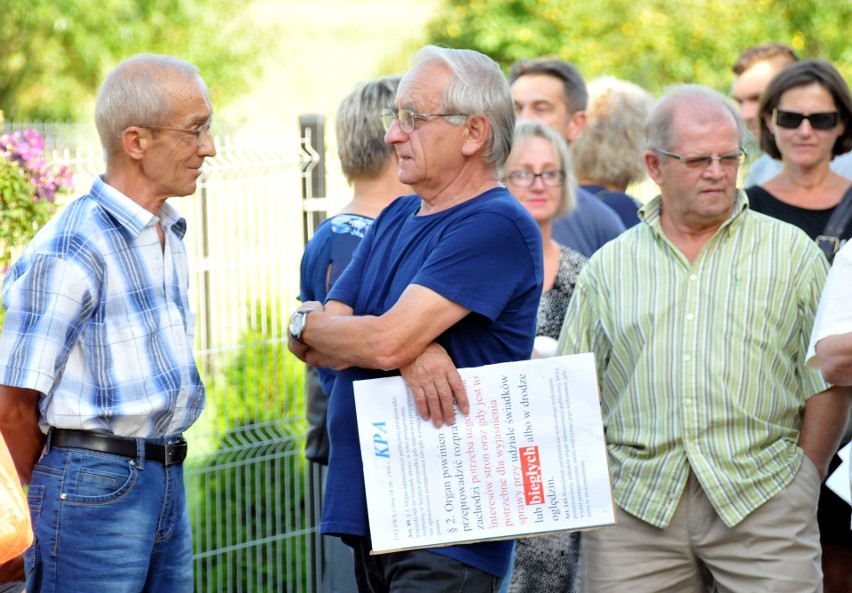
<point x="609" y="154"/>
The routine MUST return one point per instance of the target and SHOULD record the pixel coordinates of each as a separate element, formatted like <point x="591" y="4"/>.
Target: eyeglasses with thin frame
<point x="526" y="178"/>
<point x="199" y="134"/>
<point x="407" y="118"/>
<point x="791" y="120"/>
<point x="702" y="161"/>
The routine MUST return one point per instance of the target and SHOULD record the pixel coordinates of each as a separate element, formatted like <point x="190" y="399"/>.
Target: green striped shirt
<point x="701" y="365"/>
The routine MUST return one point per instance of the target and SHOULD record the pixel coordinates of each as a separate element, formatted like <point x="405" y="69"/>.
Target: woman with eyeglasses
<point x="805" y="121"/>
<point x="538" y="173"/>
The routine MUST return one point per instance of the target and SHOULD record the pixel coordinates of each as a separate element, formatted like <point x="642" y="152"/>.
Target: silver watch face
<point x="297" y="324"/>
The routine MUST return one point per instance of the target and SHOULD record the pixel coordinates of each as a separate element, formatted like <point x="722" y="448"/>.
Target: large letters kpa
<point x="380" y="440"/>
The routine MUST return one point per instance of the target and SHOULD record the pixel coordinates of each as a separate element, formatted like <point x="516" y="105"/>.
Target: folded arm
<point x="19" y="426"/>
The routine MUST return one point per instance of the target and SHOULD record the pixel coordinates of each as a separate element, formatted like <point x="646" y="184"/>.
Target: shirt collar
<point x="650" y="212"/>
<point x="131" y="215"/>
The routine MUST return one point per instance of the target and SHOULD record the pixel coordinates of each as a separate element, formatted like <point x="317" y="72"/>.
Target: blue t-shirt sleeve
<point x="475" y="251"/>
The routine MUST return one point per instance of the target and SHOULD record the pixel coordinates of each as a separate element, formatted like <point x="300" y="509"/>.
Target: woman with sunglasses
<point x="805" y="121"/>
<point x="538" y="173"/>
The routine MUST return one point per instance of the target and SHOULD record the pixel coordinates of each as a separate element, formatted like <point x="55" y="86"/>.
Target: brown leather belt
<point x="169" y="453"/>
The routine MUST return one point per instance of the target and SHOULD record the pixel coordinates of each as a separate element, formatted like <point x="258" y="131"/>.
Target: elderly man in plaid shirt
<point x="96" y="363"/>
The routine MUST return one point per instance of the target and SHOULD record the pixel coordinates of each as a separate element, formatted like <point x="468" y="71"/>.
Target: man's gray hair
<point x="478" y="87"/>
<point x="698" y="101"/>
<point x="361" y="144"/>
<point x="136" y="93"/>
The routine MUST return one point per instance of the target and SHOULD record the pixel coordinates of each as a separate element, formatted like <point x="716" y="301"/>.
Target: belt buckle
<point x="833" y="242"/>
<point x="175" y="452"/>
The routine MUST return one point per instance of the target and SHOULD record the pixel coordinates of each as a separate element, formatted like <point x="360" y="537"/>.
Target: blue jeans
<point x="415" y="571"/>
<point x="108" y="523"/>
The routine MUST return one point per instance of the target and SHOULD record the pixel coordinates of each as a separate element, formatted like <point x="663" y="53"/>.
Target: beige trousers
<point x="774" y="550"/>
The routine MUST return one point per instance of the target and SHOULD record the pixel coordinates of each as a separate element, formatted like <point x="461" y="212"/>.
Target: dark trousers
<point x="415" y="571"/>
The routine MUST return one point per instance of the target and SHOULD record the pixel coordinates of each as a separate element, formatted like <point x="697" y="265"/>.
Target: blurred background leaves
<point x="55" y="54"/>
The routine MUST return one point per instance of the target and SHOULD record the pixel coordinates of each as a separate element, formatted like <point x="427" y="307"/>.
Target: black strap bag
<point x="829" y="240"/>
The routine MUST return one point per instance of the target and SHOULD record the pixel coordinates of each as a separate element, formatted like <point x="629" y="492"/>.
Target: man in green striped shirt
<point x="699" y="318"/>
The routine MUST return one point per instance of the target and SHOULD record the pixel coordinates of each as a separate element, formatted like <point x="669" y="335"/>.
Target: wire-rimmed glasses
<point x="199" y="134"/>
<point x="526" y="178"/>
<point x="407" y="118"/>
<point x="702" y="161"/>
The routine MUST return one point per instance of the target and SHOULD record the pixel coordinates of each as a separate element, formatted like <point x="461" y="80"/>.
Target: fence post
<point x="312" y="128"/>
<point x="312" y="134"/>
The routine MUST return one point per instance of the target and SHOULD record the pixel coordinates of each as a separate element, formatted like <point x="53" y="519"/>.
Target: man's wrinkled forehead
<point x="423" y="86"/>
<point x="696" y="120"/>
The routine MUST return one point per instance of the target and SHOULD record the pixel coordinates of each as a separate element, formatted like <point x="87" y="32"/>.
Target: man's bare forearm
<point x="337" y="339"/>
<point x="403" y="338"/>
<point x="345" y="341"/>
<point x="19" y="426"/>
<point x="823" y="425"/>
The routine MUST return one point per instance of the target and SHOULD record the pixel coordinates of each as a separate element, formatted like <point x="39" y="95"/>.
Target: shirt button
<point x="693" y="277"/>
<point x="687" y="402"/>
<point x="690" y="316"/>
<point x="687" y="357"/>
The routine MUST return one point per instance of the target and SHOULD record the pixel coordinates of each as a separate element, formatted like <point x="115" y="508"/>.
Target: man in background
<point x="831" y="341"/>
<point x="753" y="70"/>
<point x="830" y="350"/>
<point x="553" y="92"/>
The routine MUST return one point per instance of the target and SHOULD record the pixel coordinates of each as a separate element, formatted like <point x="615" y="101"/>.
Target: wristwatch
<point x="297" y="324"/>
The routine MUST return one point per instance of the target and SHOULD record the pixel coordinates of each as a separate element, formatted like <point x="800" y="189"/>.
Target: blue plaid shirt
<point x="98" y="320"/>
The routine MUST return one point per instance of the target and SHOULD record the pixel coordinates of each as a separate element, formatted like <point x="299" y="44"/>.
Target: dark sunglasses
<point x="792" y="120"/>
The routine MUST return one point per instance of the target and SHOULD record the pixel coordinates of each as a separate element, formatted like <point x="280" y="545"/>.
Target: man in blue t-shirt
<point x="455" y="271"/>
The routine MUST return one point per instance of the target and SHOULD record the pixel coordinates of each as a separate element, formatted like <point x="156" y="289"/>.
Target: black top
<point x="811" y="221"/>
<point x="554" y="302"/>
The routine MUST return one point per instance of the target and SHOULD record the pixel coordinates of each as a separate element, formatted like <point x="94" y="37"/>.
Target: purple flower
<point x="27" y="150"/>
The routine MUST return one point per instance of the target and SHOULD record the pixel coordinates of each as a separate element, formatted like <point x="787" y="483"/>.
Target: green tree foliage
<point x="55" y="54"/>
<point x="653" y="43"/>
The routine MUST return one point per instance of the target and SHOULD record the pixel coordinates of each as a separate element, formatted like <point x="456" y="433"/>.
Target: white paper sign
<point x="840" y="480"/>
<point x="529" y="458"/>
